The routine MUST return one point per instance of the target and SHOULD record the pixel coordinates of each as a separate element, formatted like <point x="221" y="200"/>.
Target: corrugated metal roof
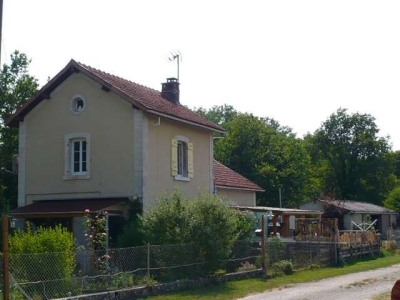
<point x="358" y="206"/>
<point x="287" y="211"/>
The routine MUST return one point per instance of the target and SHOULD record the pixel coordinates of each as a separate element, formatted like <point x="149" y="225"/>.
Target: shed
<point x="349" y="211"/>
<point x="284" y="219"/>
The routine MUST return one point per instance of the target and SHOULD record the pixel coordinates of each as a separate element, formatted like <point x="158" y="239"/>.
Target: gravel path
<point x="356" y="286"/>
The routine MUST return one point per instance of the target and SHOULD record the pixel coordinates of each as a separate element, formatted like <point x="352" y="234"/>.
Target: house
<point x="349" y="213"/>
<point x="233" y="187"/>
<point x="92" y="140"/>
<point x="240" y="193"/>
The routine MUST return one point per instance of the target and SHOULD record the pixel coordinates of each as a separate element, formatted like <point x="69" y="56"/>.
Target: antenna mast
<point x="176" y="55"/>
<point x="1" y="26"/>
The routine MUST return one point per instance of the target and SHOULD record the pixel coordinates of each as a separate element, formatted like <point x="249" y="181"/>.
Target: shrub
<point x="45" y="254"/>
<point x="205" y="221"/>
<point x="133" y="236"/>
<point x="276" y="250"/>
<point x="283" y="266"/>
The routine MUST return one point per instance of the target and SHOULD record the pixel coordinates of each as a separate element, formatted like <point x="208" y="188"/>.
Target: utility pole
<point x="280" y="198"/>
<point x="1" y="26"/>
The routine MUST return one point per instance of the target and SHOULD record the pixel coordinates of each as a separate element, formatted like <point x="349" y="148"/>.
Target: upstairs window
<point x="181" y="158"/>
<point x="77" y="156"/>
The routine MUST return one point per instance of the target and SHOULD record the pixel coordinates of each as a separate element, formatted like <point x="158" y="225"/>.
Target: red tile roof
<point x="140" y="96"/>
<point x="77" y="206"/>
<point x="225" y="177"/>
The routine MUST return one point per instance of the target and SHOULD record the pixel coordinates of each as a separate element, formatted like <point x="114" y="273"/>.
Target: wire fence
<point x="53" y="275"/>
<point x="56" y="275"/>
<point x="394" y="235"/>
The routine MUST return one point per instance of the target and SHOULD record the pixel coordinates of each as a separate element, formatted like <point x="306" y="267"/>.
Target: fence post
<point x="148" y="264"/>
<point x="263" y="248"/>
<point x="337" y="248"/>
<point x="6" y="259"/>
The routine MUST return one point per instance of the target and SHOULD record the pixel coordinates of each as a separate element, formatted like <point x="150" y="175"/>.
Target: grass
<point x="384" y="296"/>
<point x="242" y="288"/>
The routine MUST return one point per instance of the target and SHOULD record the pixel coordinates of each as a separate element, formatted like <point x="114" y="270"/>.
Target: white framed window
<point x="77" y="156"/>
<point x="181" y="158"/>
<point x="77" y="104"/>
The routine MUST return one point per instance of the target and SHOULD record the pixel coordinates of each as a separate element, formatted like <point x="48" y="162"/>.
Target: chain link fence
<point x="394" y="235"/>
<point x="51" y="275"/>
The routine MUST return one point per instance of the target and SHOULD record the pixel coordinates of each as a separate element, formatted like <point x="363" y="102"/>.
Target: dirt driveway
<point x="356" y="286"/>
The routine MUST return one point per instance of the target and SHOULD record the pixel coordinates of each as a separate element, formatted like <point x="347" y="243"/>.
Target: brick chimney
<point x="170" y="90"/>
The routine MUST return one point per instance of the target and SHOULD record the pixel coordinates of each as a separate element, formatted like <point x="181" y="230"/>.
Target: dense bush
<point x="283" y="266"/>
<point x="47" y="253"/>
<point x="276" y="250"/>
<point x="205" y="221"/>
<point x="133" y="234"/>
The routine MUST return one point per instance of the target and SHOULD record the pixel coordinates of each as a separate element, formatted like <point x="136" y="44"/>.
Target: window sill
<point x="76" y="177"/>
<point x="181" y="178"/>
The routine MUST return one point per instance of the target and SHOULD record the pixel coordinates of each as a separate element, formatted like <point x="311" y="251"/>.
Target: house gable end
<point x="141" y="97"/>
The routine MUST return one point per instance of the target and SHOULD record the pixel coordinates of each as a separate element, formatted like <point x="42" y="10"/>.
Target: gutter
<point x="238" y="188"/>
<point x="153" y="112"/>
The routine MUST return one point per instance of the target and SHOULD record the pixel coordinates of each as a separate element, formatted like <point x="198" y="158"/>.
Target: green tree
<point x="351" y="161"/>
<point x="393" y="199"/>
<point x="16" y="87"/>
<point x="219" y="114"/>
<point x="268" y="154"/>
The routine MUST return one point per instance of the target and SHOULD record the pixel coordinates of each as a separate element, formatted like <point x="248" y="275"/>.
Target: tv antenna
<point x="176" y="55"/>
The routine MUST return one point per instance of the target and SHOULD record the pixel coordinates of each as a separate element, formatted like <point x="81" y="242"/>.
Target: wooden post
<point x="6" y="259"/>
<point x="148" y="264"/>
<point x="336" y="241"/>
<point x="263" y="248"/>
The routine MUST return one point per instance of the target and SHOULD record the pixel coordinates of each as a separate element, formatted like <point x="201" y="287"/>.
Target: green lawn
<point x="241" y="288"/>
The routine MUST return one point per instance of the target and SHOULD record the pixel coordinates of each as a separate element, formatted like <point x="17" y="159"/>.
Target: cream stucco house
<point x="92" y="140"/>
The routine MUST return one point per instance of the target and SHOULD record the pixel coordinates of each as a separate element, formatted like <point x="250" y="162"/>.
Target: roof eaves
<point x="42" y="94"/>
<point x="239" y="188"/>
<point x="109" y="86"/>
<point x="73" y="67"/>
<point x="154" y="112"/>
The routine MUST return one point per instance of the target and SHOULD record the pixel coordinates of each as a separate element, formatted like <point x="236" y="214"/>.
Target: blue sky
<point x="295" y="61"/>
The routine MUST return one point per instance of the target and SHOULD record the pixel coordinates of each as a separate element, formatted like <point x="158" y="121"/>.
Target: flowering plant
<point x="96" y="236"/>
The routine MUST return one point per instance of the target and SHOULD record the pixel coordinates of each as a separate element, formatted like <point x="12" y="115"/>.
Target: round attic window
<point x="77" y="104"/>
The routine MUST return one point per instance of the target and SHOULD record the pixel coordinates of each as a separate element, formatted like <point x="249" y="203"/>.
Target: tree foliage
<point x="219" y="114"/>
<point x="268" y="154"/>
<point x="16" y="87"/>
<point x="393" y="199"/>
<point x="351" y="161"/>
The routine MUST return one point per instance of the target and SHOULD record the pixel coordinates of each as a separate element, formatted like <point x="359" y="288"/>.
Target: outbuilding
<point x="352" y="214"/>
